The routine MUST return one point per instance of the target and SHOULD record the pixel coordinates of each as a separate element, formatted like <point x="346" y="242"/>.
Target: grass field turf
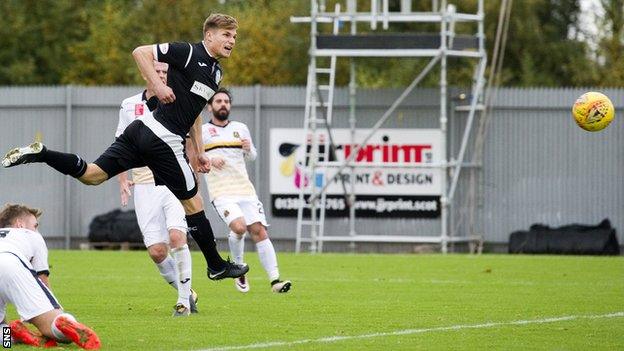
<point x="422" y="299"/>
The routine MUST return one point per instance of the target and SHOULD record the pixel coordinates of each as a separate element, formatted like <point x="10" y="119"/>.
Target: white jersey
<point x="225" y="142"/>
<point x="131" y="109"/>
<point x="29" y="246"/>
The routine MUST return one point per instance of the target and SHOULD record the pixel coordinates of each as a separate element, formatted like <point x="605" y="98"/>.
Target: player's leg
<point x="66" y="163"/>
<point x="229" y="211"/>
<point x="158" y="250"/>
<point x="94" y="175"/>
<point x="23" y="335"/>
<point x="177" y="228"/>
<point x="19" y="332"/>
<point x="236" y="243"/>
<point x="182" y="257"/>
<point x="267" y="256"/>
<point x="185" y="189"/>
<point x="169" y="270"/>
<point x="159" y="253"/>
<point x="236" y="239"/>
<point x="120" y="156"/>
<point x="164" y="154"/>
<point x="257" y="228"/>
<point x="63" y="327"/>
<point x="149" y="205"/>
<point x="150" y="217"/>
<point x="201" y="231"/>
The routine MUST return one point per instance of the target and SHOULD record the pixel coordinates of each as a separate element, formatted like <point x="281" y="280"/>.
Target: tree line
<point x="89" y="42"/>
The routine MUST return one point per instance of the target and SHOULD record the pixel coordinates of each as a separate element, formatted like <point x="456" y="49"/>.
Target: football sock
<point x="267" y="256"/>
<point x="200" y="230"/>
<point x="169" y="271"/>
<point x="237" y="246"/>
<point x="182" y="256"/>
<point x="58" y="335"/>
<point x="69" y="164"/>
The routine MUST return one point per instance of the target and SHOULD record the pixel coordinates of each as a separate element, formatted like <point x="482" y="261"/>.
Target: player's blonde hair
<point x="220" y="21"/>
<point x="11" y="212"/>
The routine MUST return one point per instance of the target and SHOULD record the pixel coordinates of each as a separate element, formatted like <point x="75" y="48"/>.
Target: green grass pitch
<point x="353" y="302"/>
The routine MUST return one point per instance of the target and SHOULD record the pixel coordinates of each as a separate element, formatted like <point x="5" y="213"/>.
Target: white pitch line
<point x="331" y="339"/>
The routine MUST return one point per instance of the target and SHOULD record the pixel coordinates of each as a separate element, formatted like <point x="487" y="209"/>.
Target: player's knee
<point x="238" y="227"/>
<point x="193" y="205"/>
<point x="177" y="238"/>
<point x="158" y="252"/>
<point x="94" y="175"/>
<point x="257" y="237"/>
<point x="258" y="232"/>
<point x="92" y="181"/>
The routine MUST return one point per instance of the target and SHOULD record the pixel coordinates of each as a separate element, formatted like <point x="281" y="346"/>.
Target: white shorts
<point x="249" y="207"/>
<point x="157" y="211"/>
<point x="20" y="286"/>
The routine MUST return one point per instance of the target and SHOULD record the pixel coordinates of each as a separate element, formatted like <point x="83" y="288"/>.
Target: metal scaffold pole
<point x="316" y="160"/>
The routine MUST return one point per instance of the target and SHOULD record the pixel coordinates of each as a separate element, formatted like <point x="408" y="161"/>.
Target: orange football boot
<point x="21" y="334"/>
<point x="77" y="332"/>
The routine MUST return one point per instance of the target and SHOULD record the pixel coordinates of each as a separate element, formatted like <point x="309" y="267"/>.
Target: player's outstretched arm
<point x="144" y="57"/>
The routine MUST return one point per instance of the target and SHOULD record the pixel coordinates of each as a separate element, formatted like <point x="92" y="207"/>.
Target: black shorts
<point x="146" y="142"/>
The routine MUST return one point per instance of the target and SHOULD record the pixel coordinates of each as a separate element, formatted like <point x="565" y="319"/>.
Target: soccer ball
<point x="593" y="111"/>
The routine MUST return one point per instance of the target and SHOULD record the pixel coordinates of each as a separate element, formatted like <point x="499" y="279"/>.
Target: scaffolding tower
<point x="317" y="158"/>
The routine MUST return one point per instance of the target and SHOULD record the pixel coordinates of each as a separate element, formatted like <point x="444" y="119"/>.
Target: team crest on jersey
<point x="212" y="131"/>
<point x="164" y="48"/>
<point x="236" y="135"/>
<point x="218" y="77"/>
<point x="138" y="110"/>
<point x="226" y="213"/>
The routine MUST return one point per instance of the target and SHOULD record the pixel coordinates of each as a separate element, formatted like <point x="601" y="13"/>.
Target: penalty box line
<point x="331" y="339"/>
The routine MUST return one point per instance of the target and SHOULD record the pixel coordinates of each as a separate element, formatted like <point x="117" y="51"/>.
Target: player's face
<point x="221" y="106"/>
<point x="27" y="222"/>
<point x="161" y="70"/>
<point x="220" y="42"/>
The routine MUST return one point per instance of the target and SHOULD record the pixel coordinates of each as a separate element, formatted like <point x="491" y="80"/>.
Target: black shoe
<point x="278" y="286"/>
<point x="231" y="270"/>
<point x="21" y="155"/>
